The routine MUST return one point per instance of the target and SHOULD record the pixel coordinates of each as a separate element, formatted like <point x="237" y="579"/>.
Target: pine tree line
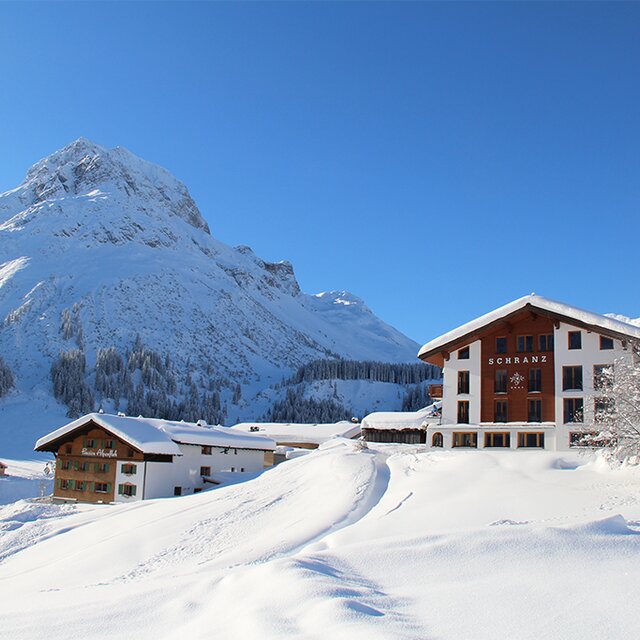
<point x="142" y="382"/>
<point x="395" y="373"/>
<point x="416" y="397"/>
<point x="7" y="381"/>
<point x="296" y="408"/>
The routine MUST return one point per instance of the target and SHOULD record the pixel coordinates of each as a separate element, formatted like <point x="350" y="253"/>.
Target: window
<point x="127" y="489"/>
<point x="573" y="410"/>
<point x="101" y="487"/>
<point x="205" y="471"/>
<point x="571" y="378"/>
<point x="102" y="467"/>
<point x="501" y="381"/>
<point x="233" y="468"/>
<point x="128" y="469"/>
<point x="437" y="440"/>
<point x="535" y="411"/>
<point x="463" y="354"/>
<point x="524" y="344"/>
<point x="463" y="382"/>
<point x="83" y="466"/>
<point x="177" y="491"/>
<point x="463" y="412"/>
<point x="206" y="451"/>
<point x="602" y="408"/>
<point x="501" y="345"/>
<point x="575" y="339"/>
<point x="465" y="439"/>
<point x="67" y="484"/>
<point x="109" y="444"/>
<point x="68" y="448"/>
<point x="90" y="443"/>
<point x="606" y="343"/>
<point x="602" y="376"/>
<point x="130" y="453"/>
<point x="528" y="440"/>
<point x="545" y="342"/>
<point x="242" y="469"/>
<point x="497" y="439"/>
<point x="80" y="485"/>
<point x="66" y="465"/>
<point x="500" y="412"/>
<point x="535" y="380"/>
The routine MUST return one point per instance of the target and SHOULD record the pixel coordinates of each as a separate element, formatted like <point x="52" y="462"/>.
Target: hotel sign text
<point x="518" y="360"/>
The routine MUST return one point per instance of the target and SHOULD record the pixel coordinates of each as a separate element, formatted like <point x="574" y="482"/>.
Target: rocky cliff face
<point x="98" y="246"/>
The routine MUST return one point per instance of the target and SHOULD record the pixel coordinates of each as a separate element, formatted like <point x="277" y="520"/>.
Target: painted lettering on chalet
<point x="100" y="453"/>
<point x="518" y="360"/>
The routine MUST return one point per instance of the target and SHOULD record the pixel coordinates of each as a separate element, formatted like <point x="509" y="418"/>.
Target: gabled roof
<point x="155" y="436"/>
<point x="537" y="304"/>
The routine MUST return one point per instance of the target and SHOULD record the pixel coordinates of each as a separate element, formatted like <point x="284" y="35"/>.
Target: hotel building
<point x="525" y="376"/>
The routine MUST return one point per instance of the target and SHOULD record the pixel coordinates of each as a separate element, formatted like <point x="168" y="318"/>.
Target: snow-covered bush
<point x="616" y="411"/>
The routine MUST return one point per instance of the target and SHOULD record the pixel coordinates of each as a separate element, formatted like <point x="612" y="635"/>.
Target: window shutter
<point x="75" y="465"/>
<point x="120" y="489"/>
<point x="133" y="490"/>
<point x="59" y="483"/>
<point x="91" y="486"/>
<point x="133" y="469"/>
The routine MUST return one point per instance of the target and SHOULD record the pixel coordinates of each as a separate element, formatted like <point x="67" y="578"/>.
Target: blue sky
<point x="436" y="159"/>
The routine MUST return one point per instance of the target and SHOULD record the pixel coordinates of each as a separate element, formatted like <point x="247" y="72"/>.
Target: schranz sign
<point x="518" y="360"/>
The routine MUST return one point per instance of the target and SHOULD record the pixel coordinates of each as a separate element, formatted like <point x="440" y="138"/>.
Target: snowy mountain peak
<point x="88" y="171"/>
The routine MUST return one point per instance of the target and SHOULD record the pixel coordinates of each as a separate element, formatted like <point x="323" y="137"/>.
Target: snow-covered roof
<point x="398" y="420"/>
<point x="152" y="435"/>
<point x="301" y="432"/>
<point x="533" y="301"/>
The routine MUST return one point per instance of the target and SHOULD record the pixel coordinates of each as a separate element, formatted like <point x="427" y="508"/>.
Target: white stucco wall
<point x="184" y="471"/>
<point x="136" y="479"/>
<point x="450" y="395"/>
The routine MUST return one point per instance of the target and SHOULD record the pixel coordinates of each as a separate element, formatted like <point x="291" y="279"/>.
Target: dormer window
<point x="463" y="354"/>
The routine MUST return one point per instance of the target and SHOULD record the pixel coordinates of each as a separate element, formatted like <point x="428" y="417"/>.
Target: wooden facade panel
<point x="83" y="461"/>
<point x="517" y="365"/>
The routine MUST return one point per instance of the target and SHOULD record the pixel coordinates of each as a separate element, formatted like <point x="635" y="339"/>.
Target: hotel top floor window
<point x="463" y="354"/>
<point x="606" y="343"/>
<point x="524" y="344"/>
<point x="575" y="339"/>
<point x="545" y="342"/>
<point x="501" y="345"/>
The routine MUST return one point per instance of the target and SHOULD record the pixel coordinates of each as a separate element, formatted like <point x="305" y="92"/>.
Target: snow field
<point x="390" y="542"/>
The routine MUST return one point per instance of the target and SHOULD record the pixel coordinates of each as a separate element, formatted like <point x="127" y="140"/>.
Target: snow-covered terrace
<point x="301" y="432"/>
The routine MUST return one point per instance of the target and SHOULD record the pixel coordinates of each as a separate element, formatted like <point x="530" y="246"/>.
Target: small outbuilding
<point x="401" y="427"/>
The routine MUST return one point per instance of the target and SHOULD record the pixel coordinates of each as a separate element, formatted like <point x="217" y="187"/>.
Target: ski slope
<point x="384" y="543"/>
